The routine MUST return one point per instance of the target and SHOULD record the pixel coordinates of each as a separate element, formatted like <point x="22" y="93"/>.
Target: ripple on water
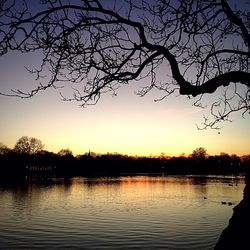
<point x="160" y="213"/>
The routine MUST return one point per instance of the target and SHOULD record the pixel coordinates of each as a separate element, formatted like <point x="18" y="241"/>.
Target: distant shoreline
<point x="49" y="164"/>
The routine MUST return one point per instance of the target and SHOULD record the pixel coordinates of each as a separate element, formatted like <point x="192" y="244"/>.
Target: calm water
<point x="140" y="212"/>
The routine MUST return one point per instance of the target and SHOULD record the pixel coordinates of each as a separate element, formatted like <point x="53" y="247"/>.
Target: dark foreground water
<point x="139" y="212"/>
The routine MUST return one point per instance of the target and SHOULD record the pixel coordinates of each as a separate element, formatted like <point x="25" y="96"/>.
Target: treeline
<point x="64" y="164"/>
<point x="28" y="157"/>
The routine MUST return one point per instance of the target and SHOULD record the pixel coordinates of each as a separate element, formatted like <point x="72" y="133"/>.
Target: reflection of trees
<point x="67" y="184"/>
<point x="99" y="46"/>
<point x="24" y="197"/>
<point x="94" y="181"/>
<point x="201" y="182"/>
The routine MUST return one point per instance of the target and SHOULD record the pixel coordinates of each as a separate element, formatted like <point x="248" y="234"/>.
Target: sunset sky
<point x="127" y="123"/>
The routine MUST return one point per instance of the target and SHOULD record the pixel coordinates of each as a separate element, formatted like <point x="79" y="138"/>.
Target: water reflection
<point x="126" y="212"/>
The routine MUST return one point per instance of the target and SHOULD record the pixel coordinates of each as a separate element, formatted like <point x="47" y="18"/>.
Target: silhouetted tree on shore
<point x="199" y="153"/>
<point x="4" y="149"/>
<point x="64" y="164"/>
<point x="100" y="45"/>
<point x="64" y="152"/>
<point x="28" y="145"/>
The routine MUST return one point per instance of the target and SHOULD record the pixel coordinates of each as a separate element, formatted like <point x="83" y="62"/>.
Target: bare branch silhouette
<point x="97" y="46"/>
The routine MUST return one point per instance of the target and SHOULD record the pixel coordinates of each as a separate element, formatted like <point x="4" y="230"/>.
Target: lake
<point x="128" y="212"/>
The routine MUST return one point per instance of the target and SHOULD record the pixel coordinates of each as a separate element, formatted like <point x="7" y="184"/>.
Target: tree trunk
<point x="236" y="235"/>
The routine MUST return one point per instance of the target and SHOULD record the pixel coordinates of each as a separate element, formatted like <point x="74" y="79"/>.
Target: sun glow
<point x="126" y="124"/>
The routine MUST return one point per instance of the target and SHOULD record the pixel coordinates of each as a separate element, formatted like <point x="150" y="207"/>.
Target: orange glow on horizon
<point x="139" y="127"/>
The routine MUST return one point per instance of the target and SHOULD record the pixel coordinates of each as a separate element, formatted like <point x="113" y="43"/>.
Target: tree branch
<point x="211" y="85"/>
<point x="196" y="46"/>
<point x="238" y="21"/>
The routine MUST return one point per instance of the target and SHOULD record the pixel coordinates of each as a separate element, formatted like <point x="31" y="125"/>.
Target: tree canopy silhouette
<point x="64" y="152"/>
<point x="4" y="149"/>
<point x="199" y="153"/>
<point x="28" y="145"/>
<point x="99" y="45"/>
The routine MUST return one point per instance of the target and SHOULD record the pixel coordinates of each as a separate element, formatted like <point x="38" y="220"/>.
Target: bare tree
<point x="28" y="145"/>
<point x="97" y="46"/>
